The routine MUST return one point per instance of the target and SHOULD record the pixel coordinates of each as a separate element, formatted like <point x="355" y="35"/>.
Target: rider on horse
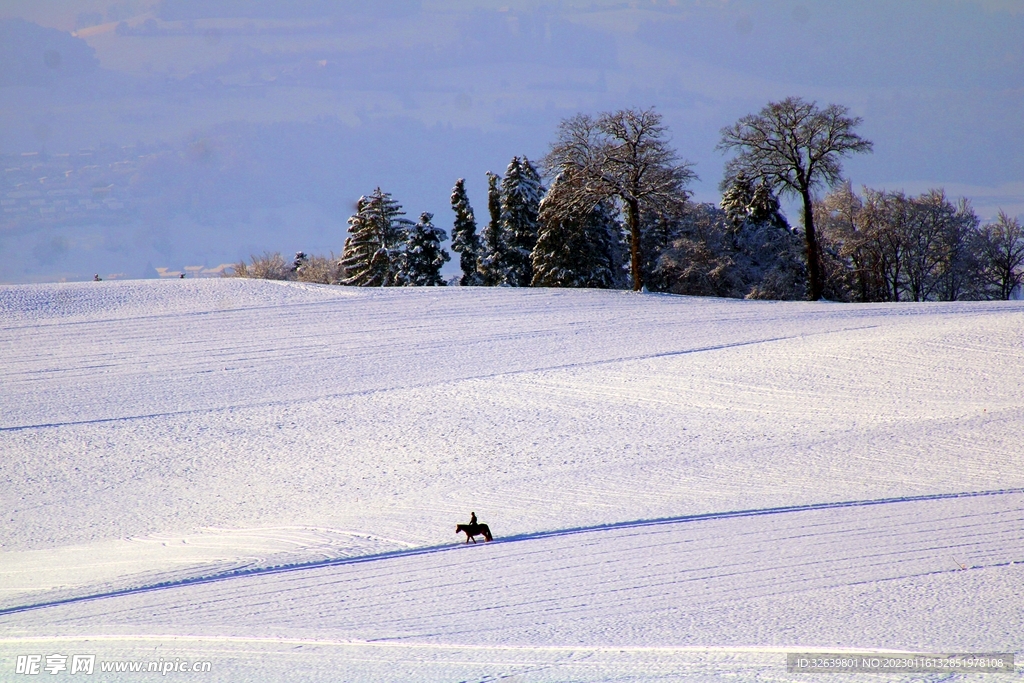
<point x="474" y="528"/>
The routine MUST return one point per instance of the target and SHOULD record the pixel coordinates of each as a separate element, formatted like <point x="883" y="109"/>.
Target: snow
<point x="268" y="475"/>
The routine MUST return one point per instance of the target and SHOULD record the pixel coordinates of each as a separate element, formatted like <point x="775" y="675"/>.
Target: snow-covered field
<point x="267" y="476"/>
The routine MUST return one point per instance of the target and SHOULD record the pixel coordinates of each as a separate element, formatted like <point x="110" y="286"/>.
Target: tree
<point x="849" y="270"/>
<point x="659" y="230"/>
<point x="698" y="262"/>
<point x="465" y="241"/>
<point x="896" y="247"/>
<point x="747" y="203"/>
<point x="375" y="248"/>
<point x="493" y="259"/>
<point x="951" y="260"/>
<point x="521" y="193"/>
<point x="1003" y="255"/>
<point x="763" y="248"/>
<point x="424" y="256"/>
<point x="795" y="147"/>
<point x="886" y="226"/>
<point x="621" y="157"/>
<point x="764" y="209"/>
<point x="575" y="249"/>
<point x="749" y="256"/>
<point x="737" y="196"/>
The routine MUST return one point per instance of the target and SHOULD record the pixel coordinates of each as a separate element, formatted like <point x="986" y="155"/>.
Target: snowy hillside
<point x="679" y="488"/>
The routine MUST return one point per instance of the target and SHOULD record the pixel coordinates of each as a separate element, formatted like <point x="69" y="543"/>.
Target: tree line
<point x="617" y="214"/>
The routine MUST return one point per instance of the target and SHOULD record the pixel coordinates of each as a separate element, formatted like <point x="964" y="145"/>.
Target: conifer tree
<point x="375" y="248"/>
<point x="576" y="247"/>
<point x="493" y="202"/>
<point x="465" y="241"/>
<point x="521" y="193"/>
<point x="762" y="250"/>
<point x="493" y="257"/>
<point x="745" y="203"/>
<point x="764" y="208"/>
<point x="737" y="196"/>
<point x="424" y="256"/>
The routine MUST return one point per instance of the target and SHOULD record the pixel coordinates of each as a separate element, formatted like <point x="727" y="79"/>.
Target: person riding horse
<point x="474" y="528"/>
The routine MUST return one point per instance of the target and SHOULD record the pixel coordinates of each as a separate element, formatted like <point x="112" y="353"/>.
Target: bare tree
<point x="894" y="247"/>
<point x="958" y="267"/>
<point x="794" y="146"/>
<point x="266" y="267"/>
<point x="1003" y="253"/>
<point x="621" y="157"/>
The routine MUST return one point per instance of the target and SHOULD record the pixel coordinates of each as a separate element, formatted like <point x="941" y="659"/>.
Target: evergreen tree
<point x="424" y="256"/>
<point x="700" y="260"/>
<point x="576" y="247"/>
<point x="744" y="249"/>
<point x="493" y="260"/>
<point x="465" y="241"/>
<point x="762" y="249"/>
<point x="493" y="201"/>
<point x="764" y="208"/>
<point x="374" y="251"/>
<point x="521" y="193"/>
<point x="737" y="197"/>
<point x="744" y="202"/>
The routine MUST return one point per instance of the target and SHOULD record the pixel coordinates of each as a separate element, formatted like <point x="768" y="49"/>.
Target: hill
<point x="675" y="484"/>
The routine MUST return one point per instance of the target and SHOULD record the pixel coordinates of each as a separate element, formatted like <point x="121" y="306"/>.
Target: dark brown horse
<point x="472" y="530"/>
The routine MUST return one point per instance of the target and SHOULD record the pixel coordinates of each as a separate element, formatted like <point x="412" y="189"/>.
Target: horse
<point x="472" y="530"/>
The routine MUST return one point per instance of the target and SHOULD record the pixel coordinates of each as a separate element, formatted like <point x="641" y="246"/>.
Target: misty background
<point x="145" y="137"/>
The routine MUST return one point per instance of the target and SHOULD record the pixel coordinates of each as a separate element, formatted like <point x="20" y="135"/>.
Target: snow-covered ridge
<point x="97" y="301"/>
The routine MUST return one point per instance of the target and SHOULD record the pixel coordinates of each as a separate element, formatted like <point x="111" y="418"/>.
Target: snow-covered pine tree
<point x="374" y="250"/>
<point x="737" y="197"/>
<point x="492" y="258"/>
<point x="576" y="246"/>
<point x="424" y="256"/>
<point x="765" y="209"/>
<point x="465" y="241"/>
<point x="764" y="251"/>
<point x="521" y="192"/>
<point x="362" y="243"/>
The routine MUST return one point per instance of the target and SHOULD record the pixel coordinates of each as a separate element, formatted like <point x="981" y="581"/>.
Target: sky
<point x="244" y="127"/>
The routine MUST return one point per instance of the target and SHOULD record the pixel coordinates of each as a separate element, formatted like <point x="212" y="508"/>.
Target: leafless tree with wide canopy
<point x="795" y="147"/>
<point x="620" y="156"/>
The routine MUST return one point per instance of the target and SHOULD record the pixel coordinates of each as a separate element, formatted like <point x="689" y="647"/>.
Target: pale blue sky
<point x="413" y="95"/>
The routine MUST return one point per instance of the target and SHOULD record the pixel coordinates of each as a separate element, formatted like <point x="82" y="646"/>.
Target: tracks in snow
<point x="437" y="382"/>
<point x="992" y="537"/>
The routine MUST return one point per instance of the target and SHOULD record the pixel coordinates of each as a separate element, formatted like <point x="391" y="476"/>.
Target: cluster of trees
<point x="384" y="249"/>
<point x="886" y="246"/>
<point x="618" y="214"/>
